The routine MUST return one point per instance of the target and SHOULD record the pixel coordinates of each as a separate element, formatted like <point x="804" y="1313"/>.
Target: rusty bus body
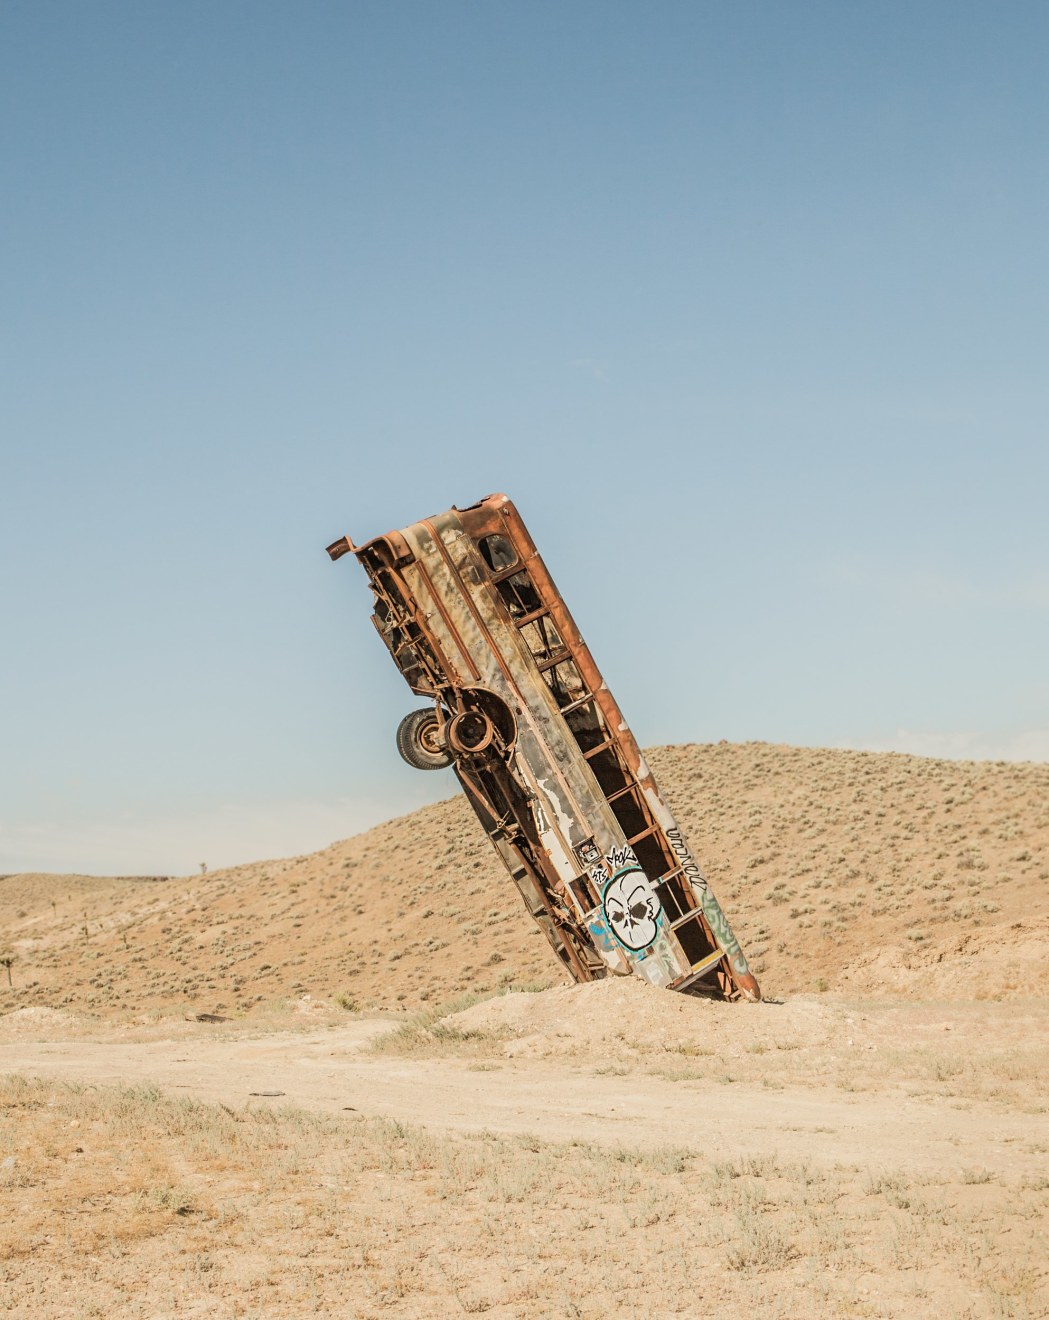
<point x="475" y="624"/>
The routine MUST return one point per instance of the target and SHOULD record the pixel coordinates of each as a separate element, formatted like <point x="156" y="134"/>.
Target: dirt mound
<point x="839" y="870"/>
<point x="1006" y="962"/>
<point x="624" y="1017"/>
<point x="37" y="1022"/>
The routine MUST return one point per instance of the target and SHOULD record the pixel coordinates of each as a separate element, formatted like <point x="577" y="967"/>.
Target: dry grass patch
<point x="123" y="1203"/>
<point x="433" y="1031"/>
<point x="621" y="1025"/>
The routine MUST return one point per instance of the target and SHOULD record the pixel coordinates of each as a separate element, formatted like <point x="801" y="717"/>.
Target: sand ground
<point x="871" y="1141"/>
<point x="824" y="1082"/>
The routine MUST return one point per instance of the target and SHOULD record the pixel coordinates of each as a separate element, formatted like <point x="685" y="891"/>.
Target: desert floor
<point x="397" y="1107"/>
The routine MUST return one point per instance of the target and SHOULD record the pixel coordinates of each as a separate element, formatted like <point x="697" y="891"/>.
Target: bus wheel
<point x="470" y="731"/>
<point x="419" y="741"/>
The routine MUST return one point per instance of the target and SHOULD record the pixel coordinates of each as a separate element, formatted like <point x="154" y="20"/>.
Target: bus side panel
<point x="569" y="807"/>
<point x="500" y="510"/>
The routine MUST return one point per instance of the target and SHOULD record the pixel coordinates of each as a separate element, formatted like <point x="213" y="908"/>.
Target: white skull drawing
<point x="631" y="909"/>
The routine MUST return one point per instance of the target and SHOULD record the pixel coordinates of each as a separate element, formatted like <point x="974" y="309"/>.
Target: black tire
<point x="418" y="741"/>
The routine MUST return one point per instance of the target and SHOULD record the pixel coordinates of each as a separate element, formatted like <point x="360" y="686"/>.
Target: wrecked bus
<point x="518" y="708"/>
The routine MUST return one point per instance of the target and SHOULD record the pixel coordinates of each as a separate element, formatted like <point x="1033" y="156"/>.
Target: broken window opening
<point x="630" y="812"/>
<point x="587" y="724"/>
<point x="652" y="856"/>
<point x="607" y="771"/>
<point x="566" y="683"/>
<point x="519" y="595"/>
<point x="676" y="896"/>
<point x="497" y="552"/>
<point x="695" y="941"/>
<point x="542" y="638"/>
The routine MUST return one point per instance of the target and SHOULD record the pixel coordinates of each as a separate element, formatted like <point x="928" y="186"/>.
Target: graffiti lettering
<point x="620" y="857"/>
<point x="716" y="919"/>
<point x="688" y="863"/>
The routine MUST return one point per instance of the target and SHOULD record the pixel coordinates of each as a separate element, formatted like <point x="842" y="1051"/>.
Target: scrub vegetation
<point x="129" y="1202"/>
<point x="840" y="871"/>
<point x="357" y="1084"/>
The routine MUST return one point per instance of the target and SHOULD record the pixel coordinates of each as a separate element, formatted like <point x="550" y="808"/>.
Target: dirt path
<point x="554" y="1100"/>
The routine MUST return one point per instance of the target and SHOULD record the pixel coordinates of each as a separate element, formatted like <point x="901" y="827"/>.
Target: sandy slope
<point x="872" y="1141"/>
<point x="839" y="870"/>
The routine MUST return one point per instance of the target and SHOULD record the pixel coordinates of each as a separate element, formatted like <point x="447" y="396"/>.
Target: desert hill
<point x="857" y="872"/>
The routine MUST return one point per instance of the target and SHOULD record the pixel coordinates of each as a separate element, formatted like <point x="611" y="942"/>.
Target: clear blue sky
<point x="746" y="305"/>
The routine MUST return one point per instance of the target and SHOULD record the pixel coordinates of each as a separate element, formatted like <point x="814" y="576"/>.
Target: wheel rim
<point x="471" y="731"/>
<point x="429" y="738"/>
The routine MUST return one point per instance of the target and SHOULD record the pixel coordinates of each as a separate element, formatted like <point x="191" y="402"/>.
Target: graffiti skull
<point x="631" y="909"/>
